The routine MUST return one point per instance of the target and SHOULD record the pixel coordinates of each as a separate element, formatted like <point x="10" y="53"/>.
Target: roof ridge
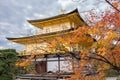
<point x="57" y="16"/>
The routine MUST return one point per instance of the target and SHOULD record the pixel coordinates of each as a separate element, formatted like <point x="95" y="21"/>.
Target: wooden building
<point x="52" y="27"/>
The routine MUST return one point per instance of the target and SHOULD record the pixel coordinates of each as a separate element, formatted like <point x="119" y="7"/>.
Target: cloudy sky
<point x="15" y="13"/>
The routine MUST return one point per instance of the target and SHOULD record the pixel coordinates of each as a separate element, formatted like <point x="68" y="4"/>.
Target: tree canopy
<point x="8" y="69"/>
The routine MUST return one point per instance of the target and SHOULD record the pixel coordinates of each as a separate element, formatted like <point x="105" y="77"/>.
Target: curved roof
<point x="40" y="22"/>
<point x="55" y="17"/>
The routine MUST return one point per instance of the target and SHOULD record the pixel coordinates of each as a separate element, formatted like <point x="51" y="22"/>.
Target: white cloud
<point x="1" y="47"/>
<point x="39" y="16"/>
<point x="29" y="7"/>
<point x="4" y="24"/>
<point x="65" y="3"/>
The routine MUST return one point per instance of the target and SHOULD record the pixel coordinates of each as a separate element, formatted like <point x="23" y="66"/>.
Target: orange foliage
<point x="115" y="4"/>
<point x="105" y="52"/>
<point x="25" y="63"/>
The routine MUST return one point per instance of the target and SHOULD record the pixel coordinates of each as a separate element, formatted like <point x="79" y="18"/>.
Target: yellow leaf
<point x="102" y="51"/>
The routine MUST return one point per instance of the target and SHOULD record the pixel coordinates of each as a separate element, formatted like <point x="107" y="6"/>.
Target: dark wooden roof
<point x="58" y="16"/>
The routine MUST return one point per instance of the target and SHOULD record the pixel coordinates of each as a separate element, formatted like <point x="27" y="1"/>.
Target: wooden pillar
<point x="46" y="64"/>
<point x="58" y="63"/>
<point x="73" y="65"/>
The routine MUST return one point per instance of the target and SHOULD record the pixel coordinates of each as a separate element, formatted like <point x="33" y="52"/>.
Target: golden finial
<point x="62" y="11"/>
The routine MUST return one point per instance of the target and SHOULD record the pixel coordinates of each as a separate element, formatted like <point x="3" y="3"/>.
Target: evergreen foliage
<point x="8" y="58"/>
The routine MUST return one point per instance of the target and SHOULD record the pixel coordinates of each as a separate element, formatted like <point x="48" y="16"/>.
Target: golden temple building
<point x="63" y="24"/>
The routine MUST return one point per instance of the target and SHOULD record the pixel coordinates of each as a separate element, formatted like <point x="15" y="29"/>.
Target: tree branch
<point x="112" y="6"/>
<point x="106" y="61"/>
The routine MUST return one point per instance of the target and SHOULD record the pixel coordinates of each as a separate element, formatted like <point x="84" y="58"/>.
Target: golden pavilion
<point x="63" y="24"/>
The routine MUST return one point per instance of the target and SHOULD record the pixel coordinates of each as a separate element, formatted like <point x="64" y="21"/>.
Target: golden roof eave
<point x="58" y="17"/>
<point x="39" y="38"/>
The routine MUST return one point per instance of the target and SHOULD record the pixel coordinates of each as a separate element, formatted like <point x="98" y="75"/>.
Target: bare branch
<point x="112" y="6"/>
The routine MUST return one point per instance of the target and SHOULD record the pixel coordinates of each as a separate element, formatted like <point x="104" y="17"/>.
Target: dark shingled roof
<point x="58" y="16"/>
